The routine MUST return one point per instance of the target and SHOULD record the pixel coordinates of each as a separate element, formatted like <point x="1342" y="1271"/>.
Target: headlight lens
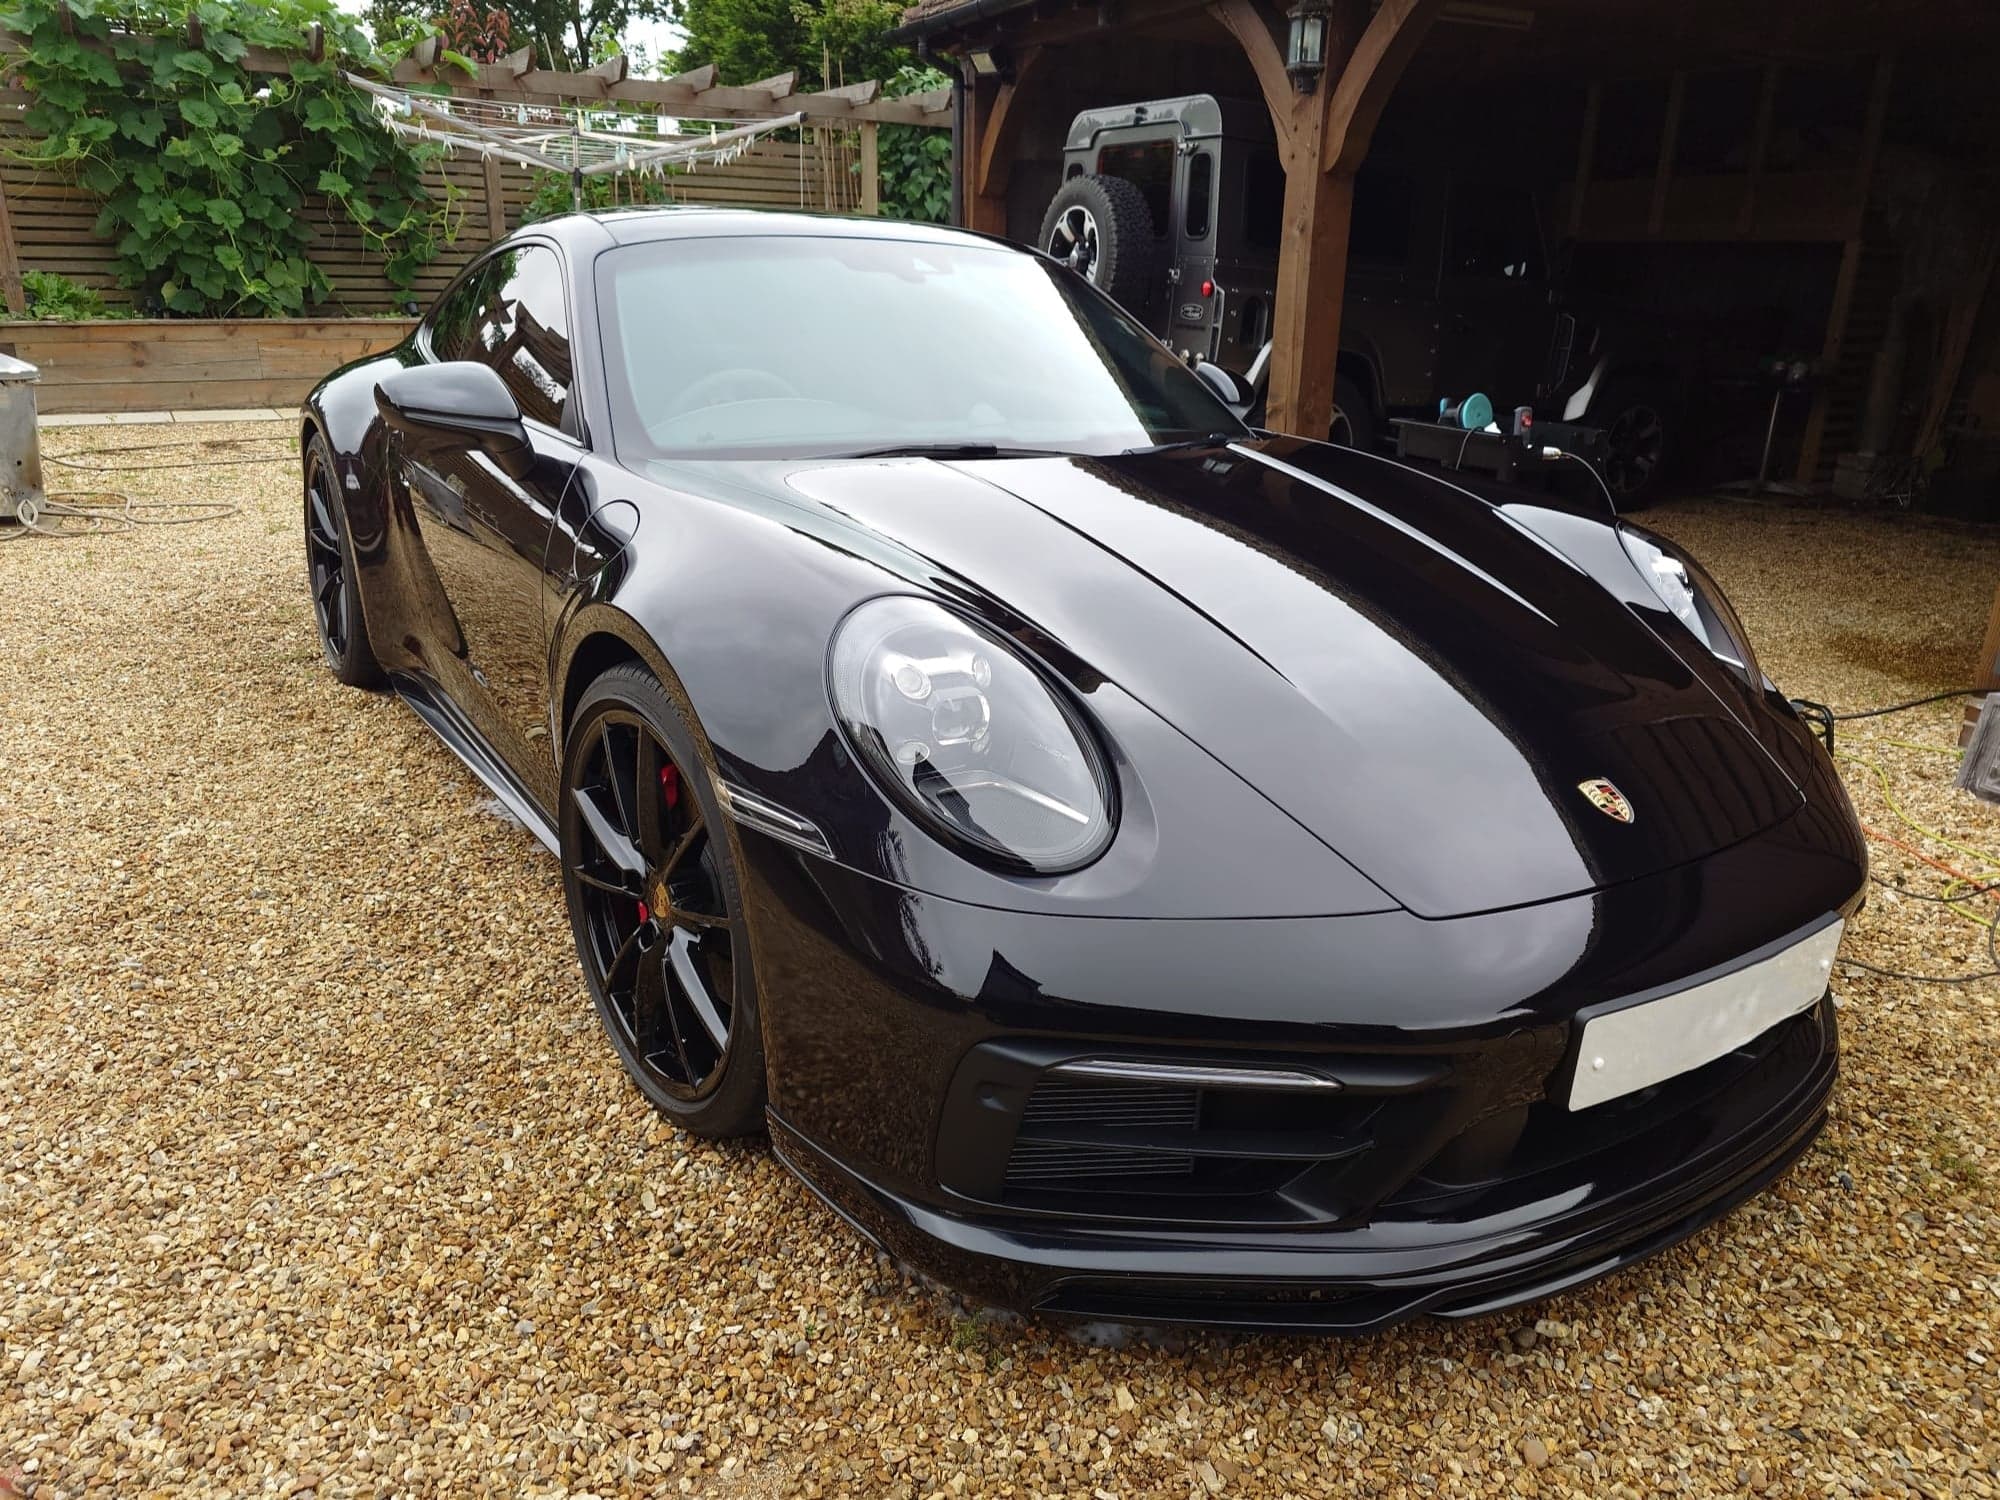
<point x="969" y="737"/>
<point x="1693" y="598"/>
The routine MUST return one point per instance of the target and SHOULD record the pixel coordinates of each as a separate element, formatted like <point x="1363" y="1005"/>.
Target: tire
<point x="1638" y="424"/>
<point x="1100" y="228"/>
<point x="665" y="948"/>
<point x="1354" y="424"/>
<point x="330" y="575"/>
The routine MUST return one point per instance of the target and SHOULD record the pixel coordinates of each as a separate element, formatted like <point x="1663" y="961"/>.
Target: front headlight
<point x="1693" y="598"/>
<point x="969" y="737"/>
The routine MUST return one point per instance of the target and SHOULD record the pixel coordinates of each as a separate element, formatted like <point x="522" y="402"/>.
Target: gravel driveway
<point x="315" y="1174"/>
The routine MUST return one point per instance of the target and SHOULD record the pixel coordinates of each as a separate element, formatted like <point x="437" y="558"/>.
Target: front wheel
<point x="656" y="907"/>
<point x="336" y="595"/>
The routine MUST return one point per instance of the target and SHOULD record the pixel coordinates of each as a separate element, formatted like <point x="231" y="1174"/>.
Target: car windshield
<point x="802" y="345"/>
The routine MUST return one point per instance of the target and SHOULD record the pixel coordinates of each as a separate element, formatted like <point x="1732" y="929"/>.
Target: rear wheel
<point x="336" y="596"/>
<point x="1353" y="424"/>
<point x="1101" y="229"/>
<point x="1636" y="423"/>
<point x="656" y="907"/>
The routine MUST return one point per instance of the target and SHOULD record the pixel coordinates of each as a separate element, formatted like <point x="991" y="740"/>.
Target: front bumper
<point x="1524" y="1240"/>
<point x="907" y="1035"/>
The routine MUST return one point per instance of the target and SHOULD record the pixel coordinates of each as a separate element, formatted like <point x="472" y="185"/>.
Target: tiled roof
<point x="926" y="10"/>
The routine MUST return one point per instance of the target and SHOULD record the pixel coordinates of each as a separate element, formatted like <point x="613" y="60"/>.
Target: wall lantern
<point x="991" y="62"/>
<point x="1305" y="43"/>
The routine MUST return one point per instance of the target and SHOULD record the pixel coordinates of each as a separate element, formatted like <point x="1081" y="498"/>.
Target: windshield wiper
<point x="951" y="450"/>
<point x="1212" y="440"/>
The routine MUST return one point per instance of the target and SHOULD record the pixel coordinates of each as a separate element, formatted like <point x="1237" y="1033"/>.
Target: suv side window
<point x="1200" y="193"/>
<point x="1493" y="232"/>
<point x="520" y="326"/>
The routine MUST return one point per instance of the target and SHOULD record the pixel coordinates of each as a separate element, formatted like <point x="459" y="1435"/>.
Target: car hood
<point x="1418" y="680"/>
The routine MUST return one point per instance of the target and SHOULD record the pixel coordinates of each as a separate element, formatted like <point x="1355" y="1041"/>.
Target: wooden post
<point x="1760" y="148"/>
<point x="1670" y="138"/>
<point x="496" y="202"/>
<point x="10" y="260"/>
<point x="994" y="114"/>
<point x="1586" y="155"/>
<point x="1850" y="272"/>
<point x="1323" y="137"/>
<point x="871" y="168"/>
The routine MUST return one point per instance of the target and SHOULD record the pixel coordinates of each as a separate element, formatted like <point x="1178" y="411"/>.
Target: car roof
<point x="629" y="226"/>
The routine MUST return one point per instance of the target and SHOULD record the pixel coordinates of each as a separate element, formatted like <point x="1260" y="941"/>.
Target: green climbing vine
<point x="204" y="166"/>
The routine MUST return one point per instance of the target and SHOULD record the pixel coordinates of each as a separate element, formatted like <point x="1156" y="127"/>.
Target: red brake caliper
<point x="670" y="786"/>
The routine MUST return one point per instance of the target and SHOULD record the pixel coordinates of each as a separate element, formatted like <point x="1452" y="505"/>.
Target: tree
<point x="828" y="42"/>
<point x="568" y="35"/>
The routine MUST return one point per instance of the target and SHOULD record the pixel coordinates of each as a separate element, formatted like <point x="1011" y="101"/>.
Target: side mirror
<point x="459" y="403"/>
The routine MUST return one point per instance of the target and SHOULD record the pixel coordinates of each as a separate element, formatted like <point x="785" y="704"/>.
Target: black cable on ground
<point x="1896" y="708"/>
<point x="1992" y="953"/>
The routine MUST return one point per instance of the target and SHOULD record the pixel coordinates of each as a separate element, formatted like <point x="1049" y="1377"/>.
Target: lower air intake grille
<point x="1059" y="1107"/>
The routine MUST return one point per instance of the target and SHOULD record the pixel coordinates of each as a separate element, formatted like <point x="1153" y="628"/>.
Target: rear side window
<point x="1148" y="166"/>
<point x="523" y="331"/>
<point x="1200" y="190"/>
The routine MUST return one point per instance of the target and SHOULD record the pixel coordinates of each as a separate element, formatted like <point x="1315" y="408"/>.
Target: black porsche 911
<point x="1135" y="867"/>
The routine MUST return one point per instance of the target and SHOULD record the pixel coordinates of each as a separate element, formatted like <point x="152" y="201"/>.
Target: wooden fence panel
<point x="54" y="220"/>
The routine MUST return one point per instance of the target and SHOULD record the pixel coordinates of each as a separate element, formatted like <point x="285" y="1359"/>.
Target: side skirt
<point x="470" y="746"/>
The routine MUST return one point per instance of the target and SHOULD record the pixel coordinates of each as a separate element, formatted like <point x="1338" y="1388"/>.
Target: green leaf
<point x="334" y="185"/>
<point x="200" y="113"/>
<point x="196" y="63"/>
<point x="222" y="211"/>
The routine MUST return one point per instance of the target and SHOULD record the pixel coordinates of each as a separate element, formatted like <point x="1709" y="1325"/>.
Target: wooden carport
<point x="1056" y="51"/>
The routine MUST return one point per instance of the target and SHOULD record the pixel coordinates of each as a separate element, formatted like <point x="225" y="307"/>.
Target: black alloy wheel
<point x="336" y="596"/>
<point x="655" y="907"/>
<point x="1636" y="447"/>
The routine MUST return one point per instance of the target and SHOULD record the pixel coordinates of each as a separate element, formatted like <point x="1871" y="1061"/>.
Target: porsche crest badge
<point x="1606" y="798"/>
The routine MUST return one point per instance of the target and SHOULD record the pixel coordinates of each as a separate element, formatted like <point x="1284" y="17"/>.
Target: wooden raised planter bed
<point x="169" y="364"/>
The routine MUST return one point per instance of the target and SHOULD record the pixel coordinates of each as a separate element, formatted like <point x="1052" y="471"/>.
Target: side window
<point x="1200" y="194"/>
<point x="1379" y="230"/>
<point x="453" y="317"/>
<point x="1493" y="232"/>
<point x="1148" y="166"/>
<point x="521" y="328"/>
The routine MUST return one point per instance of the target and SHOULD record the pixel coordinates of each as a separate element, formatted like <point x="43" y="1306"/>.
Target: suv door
<point x="1493" y="294"/>
<point x="487" y="532"/>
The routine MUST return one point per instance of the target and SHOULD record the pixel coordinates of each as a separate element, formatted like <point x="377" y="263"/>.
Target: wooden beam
<point x="1829" y="360"/>
<point x="1760" y="149"/>
<point x="871" y="168"/>
<point x="1251" y="24"/>
<point x="1871" y="135"/>
<point x="1325" y="135"/>
<point x="1586" y="154"/>
<point x="1670" y="139"/>
<point x="519" y="61"/>
<point x="993" y="167"/>
<point x="1850" y="269"/>
<point x="612" y="70"/>
<point x="496" y="200"/>
<point x="777" y="85"/>
<point x="1370" y="77"/>
<point x="10" y="260"/>
<point x="702" y="77"/>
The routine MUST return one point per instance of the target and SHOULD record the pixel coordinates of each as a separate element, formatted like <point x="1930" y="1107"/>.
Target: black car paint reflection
<point x="1347" y="706"/>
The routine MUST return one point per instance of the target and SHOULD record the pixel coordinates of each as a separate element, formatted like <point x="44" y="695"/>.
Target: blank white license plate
<point x="1641" y="1045"/>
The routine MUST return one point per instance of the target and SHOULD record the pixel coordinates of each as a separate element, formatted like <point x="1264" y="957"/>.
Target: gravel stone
<point x="317" y="1177"/>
